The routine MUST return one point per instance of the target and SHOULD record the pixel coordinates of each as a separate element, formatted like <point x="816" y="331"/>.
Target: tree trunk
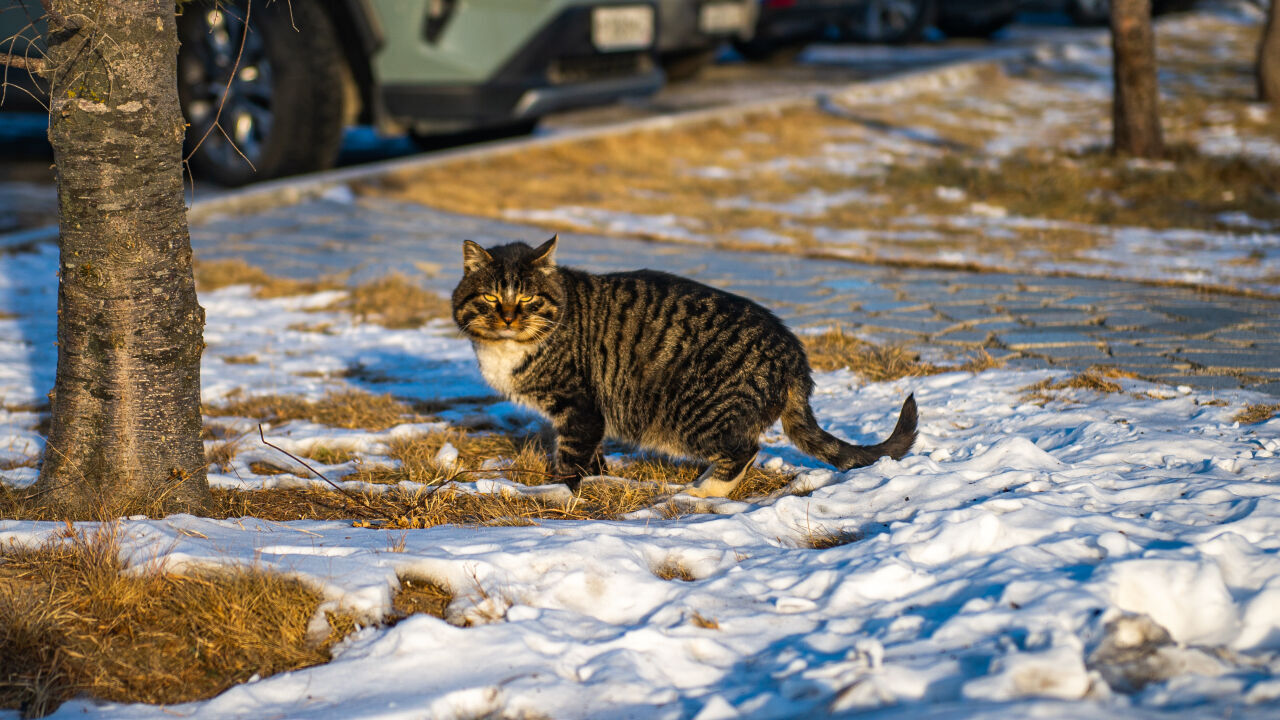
<point x="1136" y="110"/>
<point x="1269" y="58"/>
<point x="125" y="433"/>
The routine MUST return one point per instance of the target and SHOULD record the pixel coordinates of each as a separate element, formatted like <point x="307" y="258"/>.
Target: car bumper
<point x="681" y="25"/>
<point x="558" y="69"/>
<point x="430" y="109"/>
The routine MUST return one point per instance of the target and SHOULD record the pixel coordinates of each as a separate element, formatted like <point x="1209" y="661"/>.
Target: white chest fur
<point x="498" y="361"/>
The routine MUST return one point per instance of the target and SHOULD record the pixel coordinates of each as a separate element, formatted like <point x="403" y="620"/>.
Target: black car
<point x="789" y="24"/>
<point x="1098" y="12"/>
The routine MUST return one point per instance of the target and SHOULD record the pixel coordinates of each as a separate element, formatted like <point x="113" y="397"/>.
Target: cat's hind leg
<point x="724" y="474"/>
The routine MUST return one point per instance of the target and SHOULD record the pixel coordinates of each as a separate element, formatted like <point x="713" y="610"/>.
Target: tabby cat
<point x="645" y="357"/>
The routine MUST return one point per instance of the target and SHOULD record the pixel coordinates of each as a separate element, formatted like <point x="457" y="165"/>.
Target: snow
<point x="1097" y="556"/>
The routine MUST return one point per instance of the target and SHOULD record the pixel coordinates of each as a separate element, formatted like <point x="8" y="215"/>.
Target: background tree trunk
<point x="1269" y="58"/>
<point x="1136" y="109"/>
<point x="125" y="434"/>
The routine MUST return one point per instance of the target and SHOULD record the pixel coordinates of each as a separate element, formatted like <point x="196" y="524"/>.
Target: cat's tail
<point x="800" y="425"/>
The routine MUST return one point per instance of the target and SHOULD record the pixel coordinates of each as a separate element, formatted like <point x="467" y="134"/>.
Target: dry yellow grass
<point x="705" y="623"/>
<point x="73" y="621"/>
<point x="835" y="349"/>
<point x="215" y="274"/>
<point x="674" y="570"/>
<point x="220" y="454"/>
<point x="347" y="409"/>
<point x="824" y="538"/>
<point x="1256" y="413"/>
<point x="421" y="595"/>
<point x="1099" y="378"/>
<point x="329" y="455"/>
<point x="394" y="301"/>
<point x="646" y="481"/>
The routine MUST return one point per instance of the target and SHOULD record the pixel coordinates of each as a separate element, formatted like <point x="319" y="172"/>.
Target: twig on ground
<point x="21" y="62"/>
<point x="317" y="473"/>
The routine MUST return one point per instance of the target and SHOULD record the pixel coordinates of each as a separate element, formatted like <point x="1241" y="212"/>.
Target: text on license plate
<point x="722" y="17"/>
<point x="629" y="27"/>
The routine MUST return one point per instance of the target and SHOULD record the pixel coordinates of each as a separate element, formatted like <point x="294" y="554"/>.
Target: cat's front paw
<point x="710" y="488"/>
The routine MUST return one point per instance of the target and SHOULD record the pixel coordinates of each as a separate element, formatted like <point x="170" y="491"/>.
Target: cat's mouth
<point x="521" y="332"/>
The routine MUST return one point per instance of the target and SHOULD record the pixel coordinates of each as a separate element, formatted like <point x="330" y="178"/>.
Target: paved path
<point x="1174" y="335"/>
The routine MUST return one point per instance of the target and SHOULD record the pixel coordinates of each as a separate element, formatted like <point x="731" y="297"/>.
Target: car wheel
<point x="282" y="111"/>
<point x="965" y="26"/>
<point x="890" y="21"/>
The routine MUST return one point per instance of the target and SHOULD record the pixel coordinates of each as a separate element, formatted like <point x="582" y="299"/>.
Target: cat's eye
<point x="490" y="298"/>
<point x="526" y="298"/>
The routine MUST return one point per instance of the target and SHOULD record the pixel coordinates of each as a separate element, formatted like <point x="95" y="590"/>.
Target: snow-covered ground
<point x="1098" y="556"/>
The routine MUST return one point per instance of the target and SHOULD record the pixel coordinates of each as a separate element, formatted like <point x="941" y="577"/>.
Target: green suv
<point x="305" y="69"/>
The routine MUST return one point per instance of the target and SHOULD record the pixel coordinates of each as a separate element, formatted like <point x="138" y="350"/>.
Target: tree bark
<point x="1136" y="109"/>
<point x="1269" y="58"/>
<point x="125" y="433"/>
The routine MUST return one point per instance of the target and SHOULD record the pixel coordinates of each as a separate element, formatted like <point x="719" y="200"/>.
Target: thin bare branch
<point x="21" y="62"/>
<point x="317" y="473"/>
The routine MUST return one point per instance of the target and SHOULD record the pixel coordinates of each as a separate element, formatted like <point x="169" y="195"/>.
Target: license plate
<point x="722" y="17"/>
<point x="629" y="27"/>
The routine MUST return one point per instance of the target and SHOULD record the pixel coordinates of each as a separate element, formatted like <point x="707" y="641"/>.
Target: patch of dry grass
<point x="329" y="455"/>
<point x="348" y="409"/>
<point x="423" y="595"/>
<point x="214" y="274"/>
<point x="672" y="569"/>
<point x="521" y="459"/>
<point x="824" y="538"/>
<point x="240" y="359"/>
<point x="1256" y="413"/>
<point x="705" y="623"/>
<point x="73" y="621"/>
<point x="1099" y="379"/>
<point x="394" y="301"/>
<point x="524" y="457"/>
<point x="835" y="350"/>
<point x="1097" y="188"/>
<point x="220" y="454"/>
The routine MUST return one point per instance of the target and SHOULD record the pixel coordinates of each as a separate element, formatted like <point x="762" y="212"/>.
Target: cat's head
<point x="508" y="292"/>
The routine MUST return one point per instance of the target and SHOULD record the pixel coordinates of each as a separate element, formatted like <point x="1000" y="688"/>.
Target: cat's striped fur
<point x="645" y="357"/>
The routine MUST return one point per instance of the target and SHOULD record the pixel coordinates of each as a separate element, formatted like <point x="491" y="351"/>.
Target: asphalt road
<point x="26" y="178"/>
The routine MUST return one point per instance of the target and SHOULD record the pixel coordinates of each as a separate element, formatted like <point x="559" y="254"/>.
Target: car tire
<point x="889" y="21"/>
<point x="284" y="108"/>
<point x="686" y="64"/>
<point x="963" y="26"/>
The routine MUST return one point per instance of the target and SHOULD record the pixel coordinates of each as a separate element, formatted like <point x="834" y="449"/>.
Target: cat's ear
<point x="545" y="254"/>
<point x="474" y="257"/>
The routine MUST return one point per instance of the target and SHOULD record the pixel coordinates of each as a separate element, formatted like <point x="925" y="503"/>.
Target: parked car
<point x="307" y="69"/>
<point x="1098" y="12"/>
<point x="787" y="25"/>
<point x="690" y="31"/>
<point x="898" y="21"/>
<point x="792" y="23"/>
